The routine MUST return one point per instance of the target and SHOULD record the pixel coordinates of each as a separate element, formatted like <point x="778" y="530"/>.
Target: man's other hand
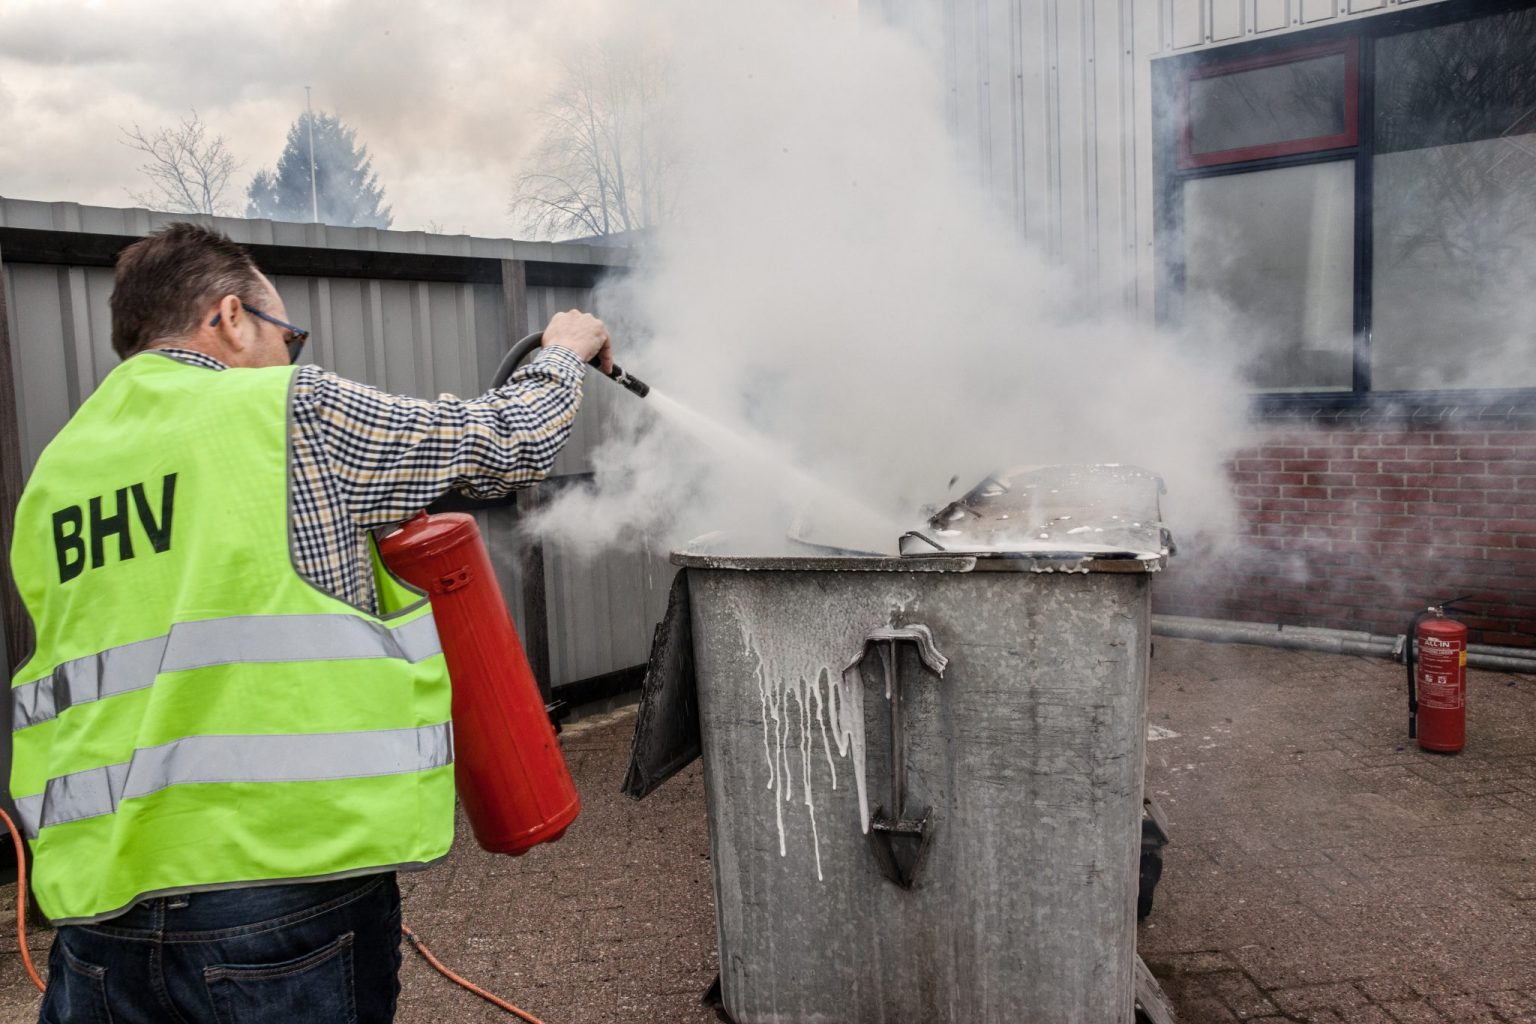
<point x="582" y="333"/>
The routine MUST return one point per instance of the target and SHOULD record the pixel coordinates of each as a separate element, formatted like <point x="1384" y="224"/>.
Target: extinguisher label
<point x="1440" y="690"/>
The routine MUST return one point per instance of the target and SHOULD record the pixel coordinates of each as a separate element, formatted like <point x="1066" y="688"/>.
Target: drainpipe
<point x="1331" y="641"/>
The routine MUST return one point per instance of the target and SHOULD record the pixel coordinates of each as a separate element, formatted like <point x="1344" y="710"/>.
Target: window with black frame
<point x="1360" y="214"/>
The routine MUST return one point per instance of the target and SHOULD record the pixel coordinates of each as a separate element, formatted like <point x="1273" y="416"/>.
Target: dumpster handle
<point x="899" y="864"/>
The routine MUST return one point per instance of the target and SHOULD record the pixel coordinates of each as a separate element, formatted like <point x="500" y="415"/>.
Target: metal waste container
<point x="924" y="773"/>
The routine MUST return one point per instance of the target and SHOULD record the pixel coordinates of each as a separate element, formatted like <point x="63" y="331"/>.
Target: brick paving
<point x="1322" y="869"/>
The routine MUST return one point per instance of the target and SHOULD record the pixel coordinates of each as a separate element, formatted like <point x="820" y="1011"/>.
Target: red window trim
<point x="1350" y="136"/>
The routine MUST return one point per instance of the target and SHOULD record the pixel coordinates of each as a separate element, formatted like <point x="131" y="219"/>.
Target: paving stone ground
<point x="1325" y="869"/>
<point x="1322" y="868"/>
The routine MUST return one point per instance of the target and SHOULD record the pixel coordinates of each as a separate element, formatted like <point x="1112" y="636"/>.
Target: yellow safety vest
<point x="196" y="715"/>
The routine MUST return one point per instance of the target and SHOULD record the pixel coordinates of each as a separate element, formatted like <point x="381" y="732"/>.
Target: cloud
<point x="443" y="95"/>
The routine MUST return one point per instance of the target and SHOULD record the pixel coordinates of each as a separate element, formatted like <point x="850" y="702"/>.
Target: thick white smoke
<point x="835" y="281"/>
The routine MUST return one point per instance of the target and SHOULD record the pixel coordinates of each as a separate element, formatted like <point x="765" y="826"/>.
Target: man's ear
<point x="229" y="317"/>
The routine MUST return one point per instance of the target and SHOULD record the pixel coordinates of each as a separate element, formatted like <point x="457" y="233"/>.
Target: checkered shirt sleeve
<point x="361" y="458"/>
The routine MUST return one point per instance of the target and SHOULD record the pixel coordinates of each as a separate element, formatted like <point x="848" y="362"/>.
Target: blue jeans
<point x="319" y="951"/>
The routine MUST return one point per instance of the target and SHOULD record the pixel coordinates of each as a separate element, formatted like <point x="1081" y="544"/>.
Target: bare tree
<point x="600" y="167"/>
<point x="188" y="171"/>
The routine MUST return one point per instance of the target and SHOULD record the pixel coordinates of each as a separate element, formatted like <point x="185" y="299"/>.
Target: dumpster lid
<point x="1088" y="515"/>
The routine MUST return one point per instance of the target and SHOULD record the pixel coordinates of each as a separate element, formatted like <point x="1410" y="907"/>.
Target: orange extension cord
<point x="421" y="948"/>
<point x="26" y="954"/>
<point x="21" y="903"/>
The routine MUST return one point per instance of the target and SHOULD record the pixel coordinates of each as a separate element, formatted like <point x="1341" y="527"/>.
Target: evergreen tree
<point x="346" y="191"/>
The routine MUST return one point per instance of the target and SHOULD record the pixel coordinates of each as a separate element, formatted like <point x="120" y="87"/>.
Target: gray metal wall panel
<point x="1187" y="21"/>
<point x="1044" y="96"/>
<point x="626" y="592"/>
<point x="1227" y="21"/>
<point x="1313" y="11"/>
<point x="346" y="345"/>
<point x="1115" y="146"/>
<point x="1271" y="15"/>
<point x="1034" y="124"/>
<point x="968" y="96"/>
<point x="418" y="338"/>
<point x="583" y="585"/>
<point x="493" y="333"/>
<point x="1053" y="100"/>
<point x="413" y="338"/>
<point x="1192" y="24"/>
<point x="10" y="330"/>
<point x="1145" y="38"/>
<point x="1077" y="144"/>
<point x="996" y="109"/>
<point x="46" y="389"/>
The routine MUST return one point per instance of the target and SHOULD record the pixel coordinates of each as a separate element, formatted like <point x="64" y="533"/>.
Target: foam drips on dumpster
<point x="806" y="701"/>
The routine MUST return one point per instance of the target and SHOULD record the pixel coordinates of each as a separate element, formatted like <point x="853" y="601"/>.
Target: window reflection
<point x="1300" y="99"/>
<point x="1455" y="206"/>
<point x="1269" y="266"/>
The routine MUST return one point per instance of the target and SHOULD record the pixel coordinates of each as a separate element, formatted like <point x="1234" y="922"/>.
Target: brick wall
<point x="1357" y="525"/>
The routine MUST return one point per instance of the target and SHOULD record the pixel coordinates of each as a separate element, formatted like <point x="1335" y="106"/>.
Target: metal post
<point x="314" y="195"/>
<point x="18" y="625"/>
<point x="530" y="562"/>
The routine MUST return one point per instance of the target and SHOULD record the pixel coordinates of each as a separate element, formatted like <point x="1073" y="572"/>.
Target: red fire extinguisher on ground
<point x="1437" y="680"/>
<point x="508" y="767"/>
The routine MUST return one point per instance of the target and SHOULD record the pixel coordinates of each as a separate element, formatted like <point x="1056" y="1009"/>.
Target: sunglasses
<point x="296" y="335"/>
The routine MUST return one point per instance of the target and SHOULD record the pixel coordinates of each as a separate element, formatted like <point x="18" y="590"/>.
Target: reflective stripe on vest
<point x="292" y="758"/>
<point x="208" y="642"/>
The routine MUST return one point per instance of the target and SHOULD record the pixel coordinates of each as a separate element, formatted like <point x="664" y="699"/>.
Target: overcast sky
<point x="442" y="93"/>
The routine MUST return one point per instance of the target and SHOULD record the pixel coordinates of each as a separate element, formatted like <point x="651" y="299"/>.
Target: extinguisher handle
<point x="523" y="349"/>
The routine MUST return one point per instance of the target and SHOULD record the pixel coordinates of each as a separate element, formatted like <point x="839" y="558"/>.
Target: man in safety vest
<point x="234" y="728"/>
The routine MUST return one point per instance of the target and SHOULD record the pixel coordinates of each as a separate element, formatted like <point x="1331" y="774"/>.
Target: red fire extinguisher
<point x="1437" y="680"/>
<point x="508" y="767"/>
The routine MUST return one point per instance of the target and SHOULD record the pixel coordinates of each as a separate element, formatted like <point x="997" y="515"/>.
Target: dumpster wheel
<point x="1151" y="871"/>
<point x="1154" y="836"/>
<point x="715" y="1000"/>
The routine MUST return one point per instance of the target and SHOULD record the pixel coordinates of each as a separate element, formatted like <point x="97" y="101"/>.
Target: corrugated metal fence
<point x="408" y="312"/>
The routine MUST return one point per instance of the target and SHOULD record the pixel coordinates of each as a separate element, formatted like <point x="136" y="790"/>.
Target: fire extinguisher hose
<point x="415" y="940"/>
<point x="523" y="349"/>
<point x="1413" y="685"/>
